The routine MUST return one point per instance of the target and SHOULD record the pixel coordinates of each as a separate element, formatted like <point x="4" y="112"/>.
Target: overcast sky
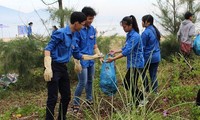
<point x="109" y="6"/>
<point x="109" y="12"/>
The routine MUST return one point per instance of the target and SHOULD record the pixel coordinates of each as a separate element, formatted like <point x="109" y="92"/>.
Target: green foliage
<point x="171" y="13"/>
<point x="24" y="57"/>
<point x="27" y="110"/>
<point x="195" y="113"/>
<point x="57" y="14"/>
<point x="6" y="115"/>
<point x="168" y="15"/>
<point x="192" y="6"/>
<point x="181" y="94"/>
<point x="176" y="83"/>
<point x="169" y="47"/>
<point x="4" y="93"/>
<point x="104" y="43"/>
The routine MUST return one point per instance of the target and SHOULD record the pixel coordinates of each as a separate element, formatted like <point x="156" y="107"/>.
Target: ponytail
<point x="157" y="33"/>
<point x="130" y="20"/>
<point x="134" y="23"/>
<point x="150" y="19"/>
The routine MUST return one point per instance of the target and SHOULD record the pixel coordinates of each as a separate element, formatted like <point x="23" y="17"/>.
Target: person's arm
<point x="97" y="51"/>
<point x="91" y="57"/>
<point x="48" y="74"/>
<point x="113" y="52"/>
<point x="78" y="55"/>
<point x="55" y="39"/>
<point x="179" y="33"/>
<point x="110" y="59"/>
<point x="130" y="45"/>
<point x="47" y="53"/>
<point x="144" y="38"/>
<point x="192" y="32"/>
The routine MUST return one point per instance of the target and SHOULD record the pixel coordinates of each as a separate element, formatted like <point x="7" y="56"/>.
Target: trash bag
<point x="108" y="81"/>
<point x="196" y="45"/>
<point x="6" y="80"/>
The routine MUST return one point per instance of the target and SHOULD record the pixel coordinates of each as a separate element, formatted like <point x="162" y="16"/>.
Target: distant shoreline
<point x="7" y="39"/>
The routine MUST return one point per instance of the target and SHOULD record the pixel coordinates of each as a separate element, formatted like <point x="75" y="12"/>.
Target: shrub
<point x="24" y="57"/>
<point x="169" y="47"/>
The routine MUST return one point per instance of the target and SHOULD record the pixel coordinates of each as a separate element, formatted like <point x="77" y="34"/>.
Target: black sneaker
<point x="89" y="104"/>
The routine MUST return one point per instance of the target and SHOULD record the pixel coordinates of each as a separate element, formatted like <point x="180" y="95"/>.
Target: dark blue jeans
<point x="85" y="81"/>
<point x="59" y="83"/>
<point x="152" y="67"/>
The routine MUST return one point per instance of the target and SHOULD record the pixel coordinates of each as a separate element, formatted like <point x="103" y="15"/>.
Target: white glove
<point x="48" y="71"/>
<point x="97" y="51"/>
<point x="77" y="66"/>
<point x="91" y="57"/>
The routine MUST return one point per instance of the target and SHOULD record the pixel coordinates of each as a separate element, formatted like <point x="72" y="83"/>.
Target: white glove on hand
<point x="91" y="57"/>
<point x="48" y="71"/>
<point x="97" y="51"/>
<point x="77" y="66"/>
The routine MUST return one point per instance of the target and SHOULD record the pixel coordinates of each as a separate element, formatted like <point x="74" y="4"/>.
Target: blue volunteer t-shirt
<point x="63" y="45"/>
<point x="29" y="30"/>
<point x="86" y="39"/>
<point x="133" y="50"/>
<point x="151" y="45"/>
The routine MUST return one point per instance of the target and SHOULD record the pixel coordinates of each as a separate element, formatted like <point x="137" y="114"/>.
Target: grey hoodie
<point x="186" y="32"/>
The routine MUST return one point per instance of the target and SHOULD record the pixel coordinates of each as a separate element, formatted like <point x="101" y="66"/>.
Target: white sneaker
<point x="143" y="103"/>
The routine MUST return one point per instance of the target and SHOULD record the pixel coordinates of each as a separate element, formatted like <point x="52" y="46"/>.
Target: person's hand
<point x="110" y="59"/>
<point x="112" y="52"/>
<point x="101" y="59"/>
<point x="91" y="57"/>
<point x="77" y="66"/>
<point x="98" y="55"/>
<point x="48" y="74"/>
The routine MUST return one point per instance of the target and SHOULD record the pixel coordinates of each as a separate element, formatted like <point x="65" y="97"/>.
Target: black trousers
<point x="198" y="98"/>
<point x="59" y="83"/>
<point x="131" y="83"/>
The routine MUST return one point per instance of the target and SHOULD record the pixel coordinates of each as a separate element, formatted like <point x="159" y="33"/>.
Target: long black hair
<point x="128" y="20"/>
<point x="150" y="19"/>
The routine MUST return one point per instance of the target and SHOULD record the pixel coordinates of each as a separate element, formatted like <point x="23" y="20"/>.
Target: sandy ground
<point x="7" y="39"/>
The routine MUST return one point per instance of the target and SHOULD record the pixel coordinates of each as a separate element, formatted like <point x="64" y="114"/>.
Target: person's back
<point x="185" y="34"/>
<point x="187" y="31"/>
<point x="135" y="57"/>
<point x="150" y="38"/>
<point x="151" y="45"/>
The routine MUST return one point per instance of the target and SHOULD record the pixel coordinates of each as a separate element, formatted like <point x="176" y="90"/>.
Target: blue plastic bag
<point x="108" y="81"/>
<point x="196" y="45"/>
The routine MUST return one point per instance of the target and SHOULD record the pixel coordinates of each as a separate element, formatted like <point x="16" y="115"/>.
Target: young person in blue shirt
<point x="150" y="38"/>
<point x="134" y="52"/>
<point x="29" y="29"/>
<point x="58" y="52"/>
<point x="86" y="40"/>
